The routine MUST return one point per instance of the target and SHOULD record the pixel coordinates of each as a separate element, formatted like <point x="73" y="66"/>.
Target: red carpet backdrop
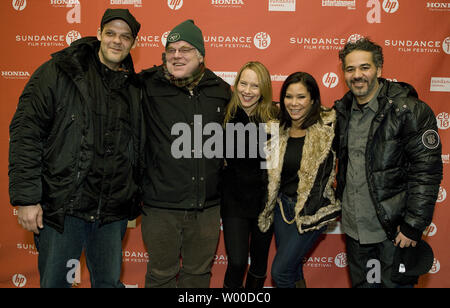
<point x="285" y="35"/>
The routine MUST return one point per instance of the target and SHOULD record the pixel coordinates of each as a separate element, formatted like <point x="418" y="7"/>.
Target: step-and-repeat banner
<point x="285" y="35"/>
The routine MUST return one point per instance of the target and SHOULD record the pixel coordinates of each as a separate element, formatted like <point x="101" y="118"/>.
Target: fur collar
<point x="318" y="142"/>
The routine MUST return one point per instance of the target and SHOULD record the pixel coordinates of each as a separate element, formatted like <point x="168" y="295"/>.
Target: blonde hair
<point x="265" y="110"/>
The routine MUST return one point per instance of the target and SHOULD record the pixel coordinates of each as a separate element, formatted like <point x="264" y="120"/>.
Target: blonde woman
<point x="244" y="181"/>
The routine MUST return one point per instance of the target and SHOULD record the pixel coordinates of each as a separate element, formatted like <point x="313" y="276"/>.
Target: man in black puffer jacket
<point x="389" y="163"/>
<point x="75" y="154"/>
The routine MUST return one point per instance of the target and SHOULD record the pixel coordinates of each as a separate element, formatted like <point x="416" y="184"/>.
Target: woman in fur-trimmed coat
<point x="301" y="174"/>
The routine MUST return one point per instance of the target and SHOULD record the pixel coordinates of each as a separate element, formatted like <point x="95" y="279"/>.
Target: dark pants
<point x="59" y="253"/>
<point x="171" y="234"/>
<point x="287" y="267"/>
<point x="242" y="235"/>
<point x="370" y="265"/>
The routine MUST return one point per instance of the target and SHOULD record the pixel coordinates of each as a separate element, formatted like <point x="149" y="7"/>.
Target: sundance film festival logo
<point x="150" y="40"/>
<point x="19" y="5"/>
<point x="341" y="260"/>
<point x="130" y="256"/>
<point x="418" y="46"/>
<point x="443" y="120"/>
<point x="321" y="43"/>
<point x="446" y="45"/>
<point x="436" y="267"/>
<point x="72" y="36"/>
<point x="262" y="40"/>
<point x="354" y="38"/>
<point x="48" y="40"/>
<point x="175" y="4"/>
<point x="442" y="195"/>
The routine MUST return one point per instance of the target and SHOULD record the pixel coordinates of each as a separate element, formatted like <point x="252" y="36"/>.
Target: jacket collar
<point x="389" y="92"/>
<point x="209" y="78"/>
<point x="75" y="59"/>
<point x="317" y="147"/>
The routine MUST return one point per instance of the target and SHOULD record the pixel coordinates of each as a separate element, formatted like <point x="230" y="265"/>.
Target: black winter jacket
<point x="52" y="140"/>
<point x="403" y="158"/>
<point x="244" y="181"/>
<point x="190" y="182"/>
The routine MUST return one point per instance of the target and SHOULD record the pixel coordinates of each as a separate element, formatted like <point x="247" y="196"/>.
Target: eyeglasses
<point x="183" y="51"/>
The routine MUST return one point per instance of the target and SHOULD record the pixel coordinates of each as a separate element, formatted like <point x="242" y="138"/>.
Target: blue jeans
<point x="287" y="267"/>
<point x="58" y="253"/>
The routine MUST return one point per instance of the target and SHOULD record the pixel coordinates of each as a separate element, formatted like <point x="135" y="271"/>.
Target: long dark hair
<point x="313" y="116"/>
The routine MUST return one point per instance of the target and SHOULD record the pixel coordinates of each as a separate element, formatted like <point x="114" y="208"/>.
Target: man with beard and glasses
<point x="389" y="165"/>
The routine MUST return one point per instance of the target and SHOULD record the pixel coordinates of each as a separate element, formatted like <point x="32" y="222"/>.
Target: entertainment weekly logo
<point x="350" y="5"/>
<point x="440" y="84"/>
<point x="230" y="77"/>
<point x="135" y="3"/>
<point x="282" y="6"/>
